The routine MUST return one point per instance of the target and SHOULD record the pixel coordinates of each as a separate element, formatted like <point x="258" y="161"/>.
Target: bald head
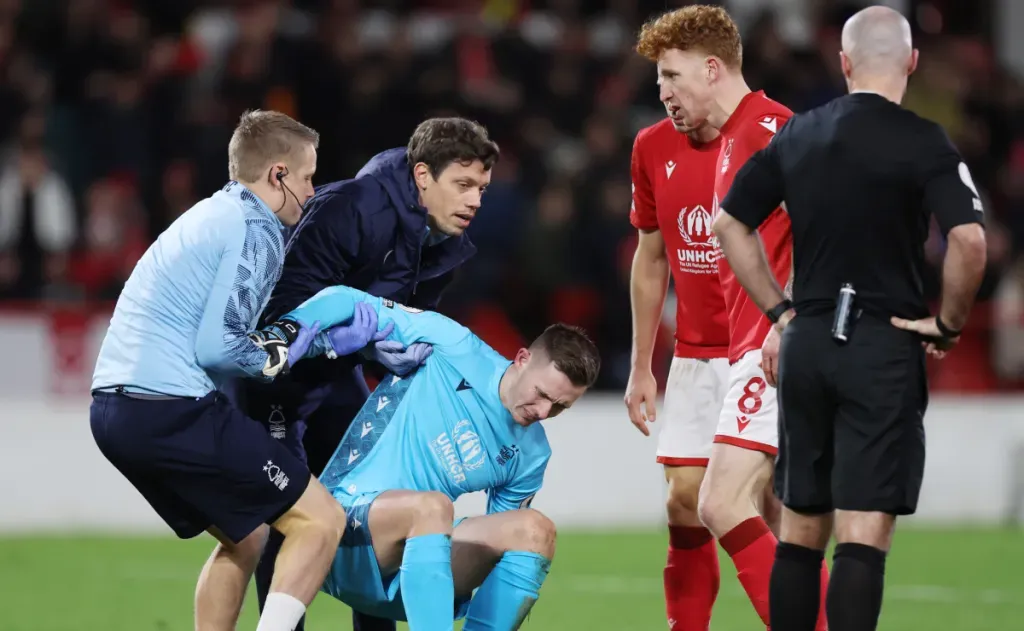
<point x="877" y="42"/>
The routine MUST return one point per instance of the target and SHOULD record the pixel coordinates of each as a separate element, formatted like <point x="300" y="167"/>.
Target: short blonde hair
<point x="263" y="137"/>
<point x="698" y="27"/>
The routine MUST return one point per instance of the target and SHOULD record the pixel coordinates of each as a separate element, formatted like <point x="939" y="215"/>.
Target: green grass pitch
<point x="948" y="580"/>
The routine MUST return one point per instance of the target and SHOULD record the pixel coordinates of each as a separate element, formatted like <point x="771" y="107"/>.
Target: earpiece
<point x="280" y="178"/>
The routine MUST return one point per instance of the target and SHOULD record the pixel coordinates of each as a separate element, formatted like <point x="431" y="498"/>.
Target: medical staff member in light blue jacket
<point x="183" y="325"/>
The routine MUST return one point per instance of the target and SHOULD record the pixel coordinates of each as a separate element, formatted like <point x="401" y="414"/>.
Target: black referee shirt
<point x="860" y="178"/>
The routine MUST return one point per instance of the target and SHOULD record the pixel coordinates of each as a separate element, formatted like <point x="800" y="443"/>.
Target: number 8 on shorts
<point x="750" y="399"/>
<point x="750" y="413"/>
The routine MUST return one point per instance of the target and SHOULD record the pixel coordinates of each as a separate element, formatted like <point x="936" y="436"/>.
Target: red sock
<point x="752" y="548"/>
<point x="822" y="624"/>
<point x="691" y="578"/>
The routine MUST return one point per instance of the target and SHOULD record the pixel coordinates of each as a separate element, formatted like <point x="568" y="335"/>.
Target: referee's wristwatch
<point x="775" y="313"/>
<point x="947" y="333"/>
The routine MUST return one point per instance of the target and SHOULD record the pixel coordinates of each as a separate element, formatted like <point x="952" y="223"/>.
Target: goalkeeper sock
<point x="425" y="578"/>
<point x="508" y="593"/>
<point x="752" y="548"/>
<point x="691" y="578"/>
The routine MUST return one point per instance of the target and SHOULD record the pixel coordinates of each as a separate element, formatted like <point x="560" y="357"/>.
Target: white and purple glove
<point x="285" y="343"/>
<point x="401" y="360"/>
<point x="345" y="340"/>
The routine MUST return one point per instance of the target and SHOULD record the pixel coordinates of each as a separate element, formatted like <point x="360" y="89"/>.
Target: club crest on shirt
<point x="727" y="155"/>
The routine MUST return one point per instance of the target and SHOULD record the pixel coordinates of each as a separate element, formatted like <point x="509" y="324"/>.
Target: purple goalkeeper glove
<point x="297" y="349"/>
<point x="346" y="340"/>
<point x="401" y="360"/>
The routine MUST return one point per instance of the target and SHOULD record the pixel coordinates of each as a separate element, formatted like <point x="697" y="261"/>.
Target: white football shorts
<point x="750" y="413"/>
<point x="693" y="405"/>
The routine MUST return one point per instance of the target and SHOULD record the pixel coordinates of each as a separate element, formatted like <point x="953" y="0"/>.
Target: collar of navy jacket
<point x="392" y="170"/>
<point x="394" y="259"/>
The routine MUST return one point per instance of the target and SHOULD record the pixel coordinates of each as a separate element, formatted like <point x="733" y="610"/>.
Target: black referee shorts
<point x="851" y="430"/>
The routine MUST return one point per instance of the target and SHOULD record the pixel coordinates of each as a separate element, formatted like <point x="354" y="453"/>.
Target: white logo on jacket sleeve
<point x="770" y="123"/>
<point x="670" y="166"/>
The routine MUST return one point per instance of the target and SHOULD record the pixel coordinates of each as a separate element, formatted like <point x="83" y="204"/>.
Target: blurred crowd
<point x="115" y="117"/>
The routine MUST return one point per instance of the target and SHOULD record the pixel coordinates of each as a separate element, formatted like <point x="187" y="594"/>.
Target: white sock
<point x="281" y="612"/>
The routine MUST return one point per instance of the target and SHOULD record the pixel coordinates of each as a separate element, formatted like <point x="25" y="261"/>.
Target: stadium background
<point x="114" y="118"/>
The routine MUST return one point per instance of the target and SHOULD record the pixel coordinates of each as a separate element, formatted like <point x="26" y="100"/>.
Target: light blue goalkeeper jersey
<point x="181" y="324"/>
<point x="444" y="427"/>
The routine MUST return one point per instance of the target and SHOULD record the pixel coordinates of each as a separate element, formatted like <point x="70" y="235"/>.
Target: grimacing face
<point x="299" y="180"/>
<point x="685" y="88"/>
<point x="453" y="199"/>
<point x="541" y="391"/>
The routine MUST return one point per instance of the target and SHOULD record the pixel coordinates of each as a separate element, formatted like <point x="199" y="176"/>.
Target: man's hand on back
<point x="935" y="343"/>
<point x="400" y="360"/>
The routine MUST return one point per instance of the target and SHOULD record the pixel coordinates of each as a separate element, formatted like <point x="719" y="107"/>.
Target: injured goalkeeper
<point x="467" y="420"/>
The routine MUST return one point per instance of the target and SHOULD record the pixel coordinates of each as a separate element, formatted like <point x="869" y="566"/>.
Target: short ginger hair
<point x="263" y="137"/>
<point x="697" y="27"/>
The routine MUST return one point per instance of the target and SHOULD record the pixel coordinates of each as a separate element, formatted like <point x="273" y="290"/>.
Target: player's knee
<point x="328" y="514"/>
<point x="536" y="533"/>
<point x="714" y="505"/>
<point x="868" y="528"/>
<point x="682" y="501"/>
<point x="335" y="521"/>
<point x="326" y="528"/>
<point x="316" y="514"/>
<point x="732" y="488"/>
<point x="432" y="509"/>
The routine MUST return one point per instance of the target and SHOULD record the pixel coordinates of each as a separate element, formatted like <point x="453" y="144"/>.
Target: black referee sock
<point x="794" y="592"/>
<point x="855" y="587"/>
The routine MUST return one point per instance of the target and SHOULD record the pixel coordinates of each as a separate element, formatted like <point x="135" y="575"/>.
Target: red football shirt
<point x="673" y="188"/>
<point x="750" y="128"/>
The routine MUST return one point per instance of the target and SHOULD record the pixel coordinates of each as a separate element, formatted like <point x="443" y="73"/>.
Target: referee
<point x="861" y="178"/>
